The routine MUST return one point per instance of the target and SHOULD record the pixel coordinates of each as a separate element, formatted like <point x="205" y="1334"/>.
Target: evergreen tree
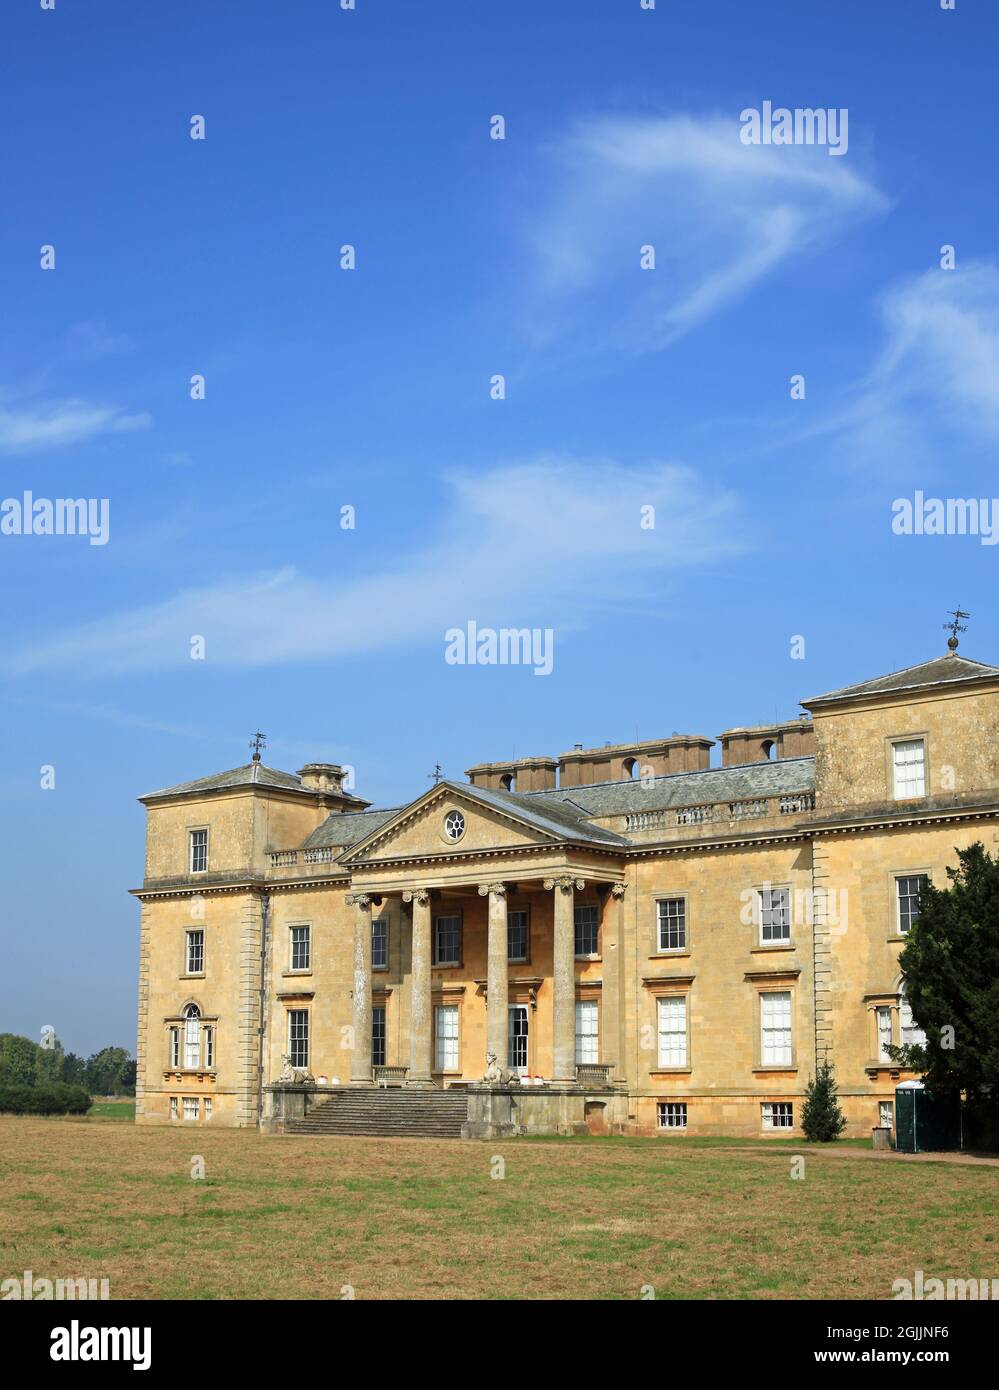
<point x="950" y="966"/>
<point x="821" y="1118"/>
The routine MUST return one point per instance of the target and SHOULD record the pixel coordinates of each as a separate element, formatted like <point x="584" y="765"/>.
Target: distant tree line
<point x="51" y="1098"/>
<point x="110" y="1072"/>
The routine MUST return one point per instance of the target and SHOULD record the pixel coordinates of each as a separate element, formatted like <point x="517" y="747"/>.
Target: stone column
<point x="497" y="975"/>
<point x="420" y="1011"/>
<point x="564" y="980"/>
<point x="360" y="1057"/>
<point x="611" y="996"/>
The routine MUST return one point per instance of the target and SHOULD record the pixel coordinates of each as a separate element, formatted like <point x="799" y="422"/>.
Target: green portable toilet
<point x="924" y="1124"/>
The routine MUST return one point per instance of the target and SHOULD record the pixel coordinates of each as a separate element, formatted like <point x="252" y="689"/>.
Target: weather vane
<point x="258" y="741"/>
<point x="956" y="626"/>
<point x="437" y="773"/>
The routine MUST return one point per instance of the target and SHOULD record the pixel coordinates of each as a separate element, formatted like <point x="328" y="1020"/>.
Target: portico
<point x="484" y="960"/>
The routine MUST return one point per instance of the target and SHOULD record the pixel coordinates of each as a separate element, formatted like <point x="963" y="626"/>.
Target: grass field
<point x="591" y="1218"/>
<point x="123" y="1109"/>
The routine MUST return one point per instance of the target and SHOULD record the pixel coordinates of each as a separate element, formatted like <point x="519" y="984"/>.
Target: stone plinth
<point x="499" y="1112"/>
<point x="284" y="1101"/>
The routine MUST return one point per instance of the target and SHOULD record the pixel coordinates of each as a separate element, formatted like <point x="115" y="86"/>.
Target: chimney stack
<point x="323" y="777"/>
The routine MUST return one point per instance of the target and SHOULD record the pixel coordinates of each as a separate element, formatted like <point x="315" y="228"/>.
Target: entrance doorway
<point x="518" y="1039"/>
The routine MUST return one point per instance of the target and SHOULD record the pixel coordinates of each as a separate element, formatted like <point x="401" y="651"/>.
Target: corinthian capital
<point x="416" y="895"/>
<point x="361" y="900"/>
<point x="565" y="882"/>
<point x="498" y="888"/>
<point x="618" y="890"/>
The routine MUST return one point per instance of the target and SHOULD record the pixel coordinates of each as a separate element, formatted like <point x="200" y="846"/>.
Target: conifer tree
<point x="821" y="1118"/>
<point x="950" y="971"/>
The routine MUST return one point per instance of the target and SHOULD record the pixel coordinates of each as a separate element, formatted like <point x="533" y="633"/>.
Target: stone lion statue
<point x="495" y="1075"/>
<point x="296" y="1076"/>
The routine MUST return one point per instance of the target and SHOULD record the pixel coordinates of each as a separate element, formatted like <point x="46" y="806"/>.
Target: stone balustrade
<point x="323" y="854"/>
<point x="755" y="809"/>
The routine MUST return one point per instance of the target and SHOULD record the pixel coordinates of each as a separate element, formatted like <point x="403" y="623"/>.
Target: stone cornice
<point x="862" y="824"/>
<point x="493" y="852"/>
<point x="316" y="881"/>
<point x="250" y="885"/>
<point x="200" y="890"/>
<point x="292" y="794"/>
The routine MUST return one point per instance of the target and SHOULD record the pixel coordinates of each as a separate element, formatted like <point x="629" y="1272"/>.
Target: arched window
<point x="508" y="781"/>
<point x="192" y="1037"/>
<point x="769" y="749"/>
<point x="632" y="769"/>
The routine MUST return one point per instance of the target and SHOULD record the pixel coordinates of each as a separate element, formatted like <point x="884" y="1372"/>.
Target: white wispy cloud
<point x="943" y="342"/>
<point x="934" y="377"/>
<point x="57" y="424"/>
<point x="721" y="215"/>
<point x="518" y="544"/>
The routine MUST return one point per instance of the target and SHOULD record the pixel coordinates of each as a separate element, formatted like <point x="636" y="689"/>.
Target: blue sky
<point x="370" y="388"/>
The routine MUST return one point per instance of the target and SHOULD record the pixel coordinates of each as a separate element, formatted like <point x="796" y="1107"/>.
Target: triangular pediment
<point x="423" y="827"/>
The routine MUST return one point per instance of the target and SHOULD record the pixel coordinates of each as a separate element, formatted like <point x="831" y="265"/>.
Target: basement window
<point x="778" y="1114"/>
<point x="672" y="1114"/>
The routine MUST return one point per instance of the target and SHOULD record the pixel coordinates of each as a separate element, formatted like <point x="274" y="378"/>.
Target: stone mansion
<point x="637" y="941"/>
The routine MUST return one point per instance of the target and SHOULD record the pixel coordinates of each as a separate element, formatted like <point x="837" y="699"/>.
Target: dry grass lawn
<point x="591" y="1218"/>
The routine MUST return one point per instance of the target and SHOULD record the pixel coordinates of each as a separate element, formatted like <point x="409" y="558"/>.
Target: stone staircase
<point x="398" y="1112"/>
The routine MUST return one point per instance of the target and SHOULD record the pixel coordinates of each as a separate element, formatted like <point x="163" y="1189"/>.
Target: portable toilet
<point x="924" y="1123"/>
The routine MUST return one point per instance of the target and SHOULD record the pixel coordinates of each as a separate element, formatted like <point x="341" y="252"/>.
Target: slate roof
<point x="741" y="783"/>
<point x="565" y="812"/>
<point x="556" y="820"/>
<point x="561" y="818"/>
<point x="940" y="671"/>
<point x="252" y="774"/>
<point x="347" y="827"/>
